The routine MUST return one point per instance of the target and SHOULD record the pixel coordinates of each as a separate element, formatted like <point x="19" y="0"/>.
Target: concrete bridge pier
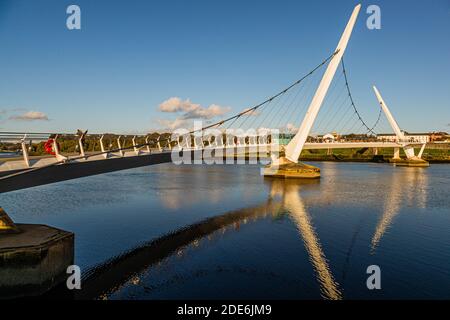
<point x="396" y="154"/>
<point x="33" y="258"/>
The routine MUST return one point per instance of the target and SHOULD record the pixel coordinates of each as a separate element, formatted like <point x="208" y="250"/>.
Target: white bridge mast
<point x="294" y="148"/>
<point x="409" y="150"/>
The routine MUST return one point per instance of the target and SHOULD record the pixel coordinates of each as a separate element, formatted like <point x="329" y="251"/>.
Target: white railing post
<point x="195" y="142"/>
<point x="119" y="144"/>
<point x="159" y="144"/>
<point x="102" y="147"/>
<point x="148" y="145"/>
<point x="80" y="143"/>
<point x="178" y="143"/>
<point x="59" y="156"/>
<point x="136" y="149"/>
<point x="25" y="151"/>
<point x="188" y="141"/>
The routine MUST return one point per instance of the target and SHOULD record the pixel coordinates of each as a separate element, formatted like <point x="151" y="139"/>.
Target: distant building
<point x="413" y="137"/>
<point x="439" y="136"/>
<point x="328" y="138"/>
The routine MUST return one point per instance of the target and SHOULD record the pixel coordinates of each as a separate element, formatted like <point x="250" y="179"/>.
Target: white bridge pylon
<point x="295" y="147"/>
<point x="409" y="150"/>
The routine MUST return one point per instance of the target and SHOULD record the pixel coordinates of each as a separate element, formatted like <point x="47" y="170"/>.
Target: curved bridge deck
<point x="15" y="175"/>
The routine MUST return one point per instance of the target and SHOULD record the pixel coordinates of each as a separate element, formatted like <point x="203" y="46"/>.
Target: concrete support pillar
<point x="6" y="224"/>
<point x="396" y="153"/>
<point x="421" y="151"/>
<point x="375" y="151"/>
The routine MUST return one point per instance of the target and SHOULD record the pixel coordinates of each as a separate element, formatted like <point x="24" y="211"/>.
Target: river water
<point x="224" y="231"/>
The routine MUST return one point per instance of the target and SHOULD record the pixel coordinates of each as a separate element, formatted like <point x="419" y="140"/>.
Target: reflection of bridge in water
<point x="410" y="186"/>
<point x="283" y="197"/>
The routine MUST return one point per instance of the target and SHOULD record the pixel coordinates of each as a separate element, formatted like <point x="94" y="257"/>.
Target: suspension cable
<point x="217" y="124"/>
<point x="369" y="129"/>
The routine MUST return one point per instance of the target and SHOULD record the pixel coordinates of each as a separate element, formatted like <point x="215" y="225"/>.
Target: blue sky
<point x="130" y="56"/>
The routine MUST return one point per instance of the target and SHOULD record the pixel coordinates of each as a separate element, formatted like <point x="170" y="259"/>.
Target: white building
<point x="410" y="137"/>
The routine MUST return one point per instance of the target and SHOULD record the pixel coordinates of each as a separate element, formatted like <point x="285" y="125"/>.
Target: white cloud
<point x="192" y="110"/>
<point x="291" y="128"/>
<point x="30" y="116"/>
<point x="175" y="104"/>
<point x="212" y="111"/>
<point x="175" y="124"/>
<point x="250" y="113"/>
<point x="188" y="111"/>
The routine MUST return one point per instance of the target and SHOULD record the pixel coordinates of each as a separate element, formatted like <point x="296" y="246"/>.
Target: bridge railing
<point x="81" y="145"/>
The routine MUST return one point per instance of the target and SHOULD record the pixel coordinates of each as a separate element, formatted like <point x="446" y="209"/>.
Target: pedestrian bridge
<point x="243" y="135"/>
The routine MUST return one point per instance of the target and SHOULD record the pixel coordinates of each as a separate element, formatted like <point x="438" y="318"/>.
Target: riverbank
<point x="376" y="159"/>
<point x="368" y="155"/>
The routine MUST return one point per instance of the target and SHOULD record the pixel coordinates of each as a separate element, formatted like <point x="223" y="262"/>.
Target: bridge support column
<point x="375" y="151"/>
<point x="396" y="154"/>
<point x="421" y="151"/>
<point x="25" y="270"/>
<point x="411" y="160"/>
<point x="6" y="224"/>
<point x="294" y="148"/>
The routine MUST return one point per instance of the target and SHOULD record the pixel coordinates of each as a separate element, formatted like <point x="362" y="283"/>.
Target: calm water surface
<point x="183" y="232"/>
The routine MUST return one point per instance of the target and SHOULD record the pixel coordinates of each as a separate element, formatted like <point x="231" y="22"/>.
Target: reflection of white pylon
<point x="294" y="204"/>
<point x="294" y="148"/>
<point x="391" y="210"/>
<point x="413" y="179"/>
<point x="409" y="150"/>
